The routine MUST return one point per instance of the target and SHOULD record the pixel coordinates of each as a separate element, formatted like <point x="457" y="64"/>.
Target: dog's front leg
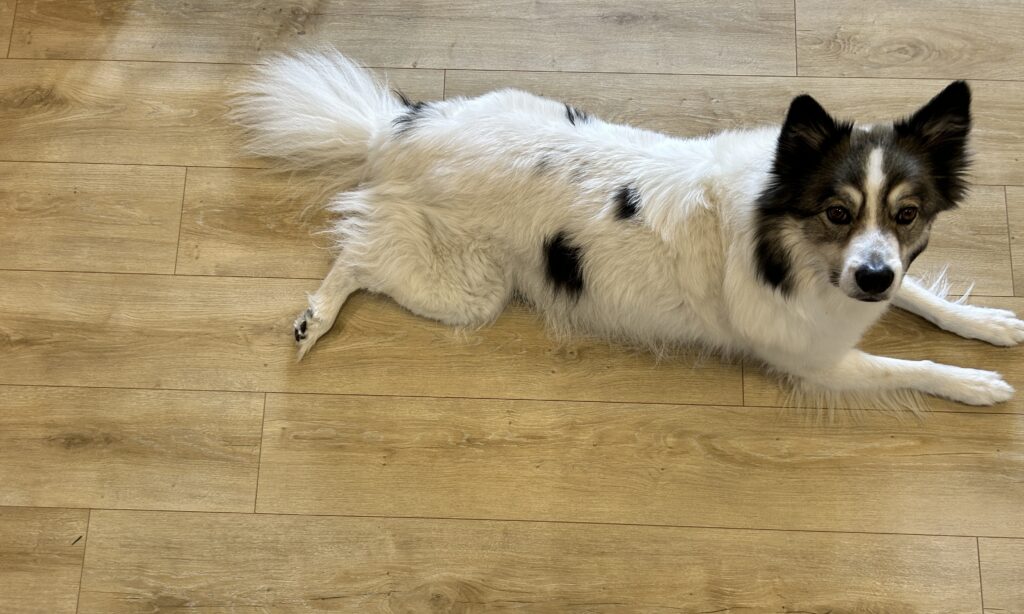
<point x="996" y="326"/>
<point x="858" y="371"/>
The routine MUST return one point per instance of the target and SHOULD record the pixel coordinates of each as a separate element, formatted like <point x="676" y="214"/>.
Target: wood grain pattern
<point x="89" y="217"/>
<point x="902" y="335"/>
<point x="1015" y="218"/>
<point x="692" y="105"/>
<point x="664" y="465"/>
<point x="81" y="447"/>
<point x="248" y="223"/>
<point x="235" y="334"/>
<point x="131" y="112"/>
<point x="1002" y="575"/>
<point x="6" y="24"/>
<point x="41" y="554"/>
<point x="701" y="36"/>
<point x="945" y="39"/>
<point x="149" y="561"/>
<point x="971" y="244"/>
<point x="117" y="112"/>
<point x="222" y="31"/>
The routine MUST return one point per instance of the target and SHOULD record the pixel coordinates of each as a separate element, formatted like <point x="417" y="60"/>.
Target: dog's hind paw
<point x="306" y="330"/>
<point x="301" y="326"/>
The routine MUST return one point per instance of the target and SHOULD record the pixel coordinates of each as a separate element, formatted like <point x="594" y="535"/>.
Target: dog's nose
<point x="874" y="279"/>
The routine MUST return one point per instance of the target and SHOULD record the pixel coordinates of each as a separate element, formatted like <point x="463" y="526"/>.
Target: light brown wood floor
<point x="160" y="450"/>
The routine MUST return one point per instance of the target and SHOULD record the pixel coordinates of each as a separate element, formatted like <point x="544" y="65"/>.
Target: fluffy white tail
<point x="313" y="110"/>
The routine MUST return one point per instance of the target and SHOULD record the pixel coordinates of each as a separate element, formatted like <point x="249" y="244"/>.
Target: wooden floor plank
<point x="692" y="105"/>
<point x="1015" y="215"/>
<point x="970" y="244"/>
<point x="219" y="563"/>
<point x="245" y="222"/>
<point x="41" y="554"/>
<point x="158" y="30"/>
<point x="1002" y="575"/>
<point x="650" y="464"/>
<point x="237" y="222"/>
<point x="89" y="217"/>
<point x="132" y="112"/>
<point x="943" y="39"/>
<point x="6" y="24"/>
<point x="704" y="36"/>
<point x="902" y="335"/>
<point x="207" y="333"/>
<point x="80" y="447"/>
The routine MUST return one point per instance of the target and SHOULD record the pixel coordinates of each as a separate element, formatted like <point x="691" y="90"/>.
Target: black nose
<point x="874" y="279"/>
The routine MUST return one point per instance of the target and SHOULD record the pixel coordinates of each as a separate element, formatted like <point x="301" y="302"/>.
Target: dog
<point x="783" y="244"/>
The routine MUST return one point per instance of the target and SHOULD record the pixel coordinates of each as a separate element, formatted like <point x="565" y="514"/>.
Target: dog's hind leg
<point x="324" y="305"/>
<point x="465" y="288"/>
<point x="435" y="269"/>
<point x="859" y="372"/>
<point x="996" y="326"/>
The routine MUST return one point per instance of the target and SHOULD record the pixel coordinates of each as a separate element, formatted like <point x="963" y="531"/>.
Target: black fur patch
<point x="564" y="265"/>
<point x="575" y="115"/>
<point x="773" y="262"/>
<point x="406" y="121"/>
<point x="627" y="202"/>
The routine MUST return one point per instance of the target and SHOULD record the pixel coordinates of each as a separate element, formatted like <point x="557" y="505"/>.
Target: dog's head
<point x="853" y="206"/>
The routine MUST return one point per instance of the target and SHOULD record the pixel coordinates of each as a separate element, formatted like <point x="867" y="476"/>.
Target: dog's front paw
<point x="995" y="326"/>
<point x="975" y="387"/>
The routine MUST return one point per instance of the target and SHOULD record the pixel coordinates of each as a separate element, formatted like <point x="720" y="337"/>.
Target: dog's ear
<point x="940" y="130"/>
<point x="946" y="118"/>
<point x="807" y="132"/>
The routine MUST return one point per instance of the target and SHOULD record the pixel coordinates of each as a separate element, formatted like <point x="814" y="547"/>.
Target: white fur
<point x="449" y="218"/>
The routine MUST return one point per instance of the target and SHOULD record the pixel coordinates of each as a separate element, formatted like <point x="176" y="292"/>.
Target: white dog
<point x="780" y="244"/>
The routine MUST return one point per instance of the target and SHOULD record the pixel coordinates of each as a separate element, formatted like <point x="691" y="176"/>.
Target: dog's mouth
<point x="864" y="297"/>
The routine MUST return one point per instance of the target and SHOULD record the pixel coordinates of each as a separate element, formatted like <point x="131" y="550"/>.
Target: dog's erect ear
<point x="940" y="128"/>
<point x="947" y="117"/>
<point x="807" y="127"/>
<point x="807" y="132"/>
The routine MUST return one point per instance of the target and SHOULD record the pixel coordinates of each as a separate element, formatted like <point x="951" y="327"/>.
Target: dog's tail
<point x="313" y="111"/>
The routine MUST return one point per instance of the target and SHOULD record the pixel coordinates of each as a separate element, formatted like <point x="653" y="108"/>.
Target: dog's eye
<point x="906" y="215"/>
<point x="838" y="215"/>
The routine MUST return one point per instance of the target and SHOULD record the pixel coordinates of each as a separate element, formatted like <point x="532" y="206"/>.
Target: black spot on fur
<point x="564" y="265"/>
<point x="575" y="115"/>
<point x="627" y="202"/>
<point x="414" y="110"/>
